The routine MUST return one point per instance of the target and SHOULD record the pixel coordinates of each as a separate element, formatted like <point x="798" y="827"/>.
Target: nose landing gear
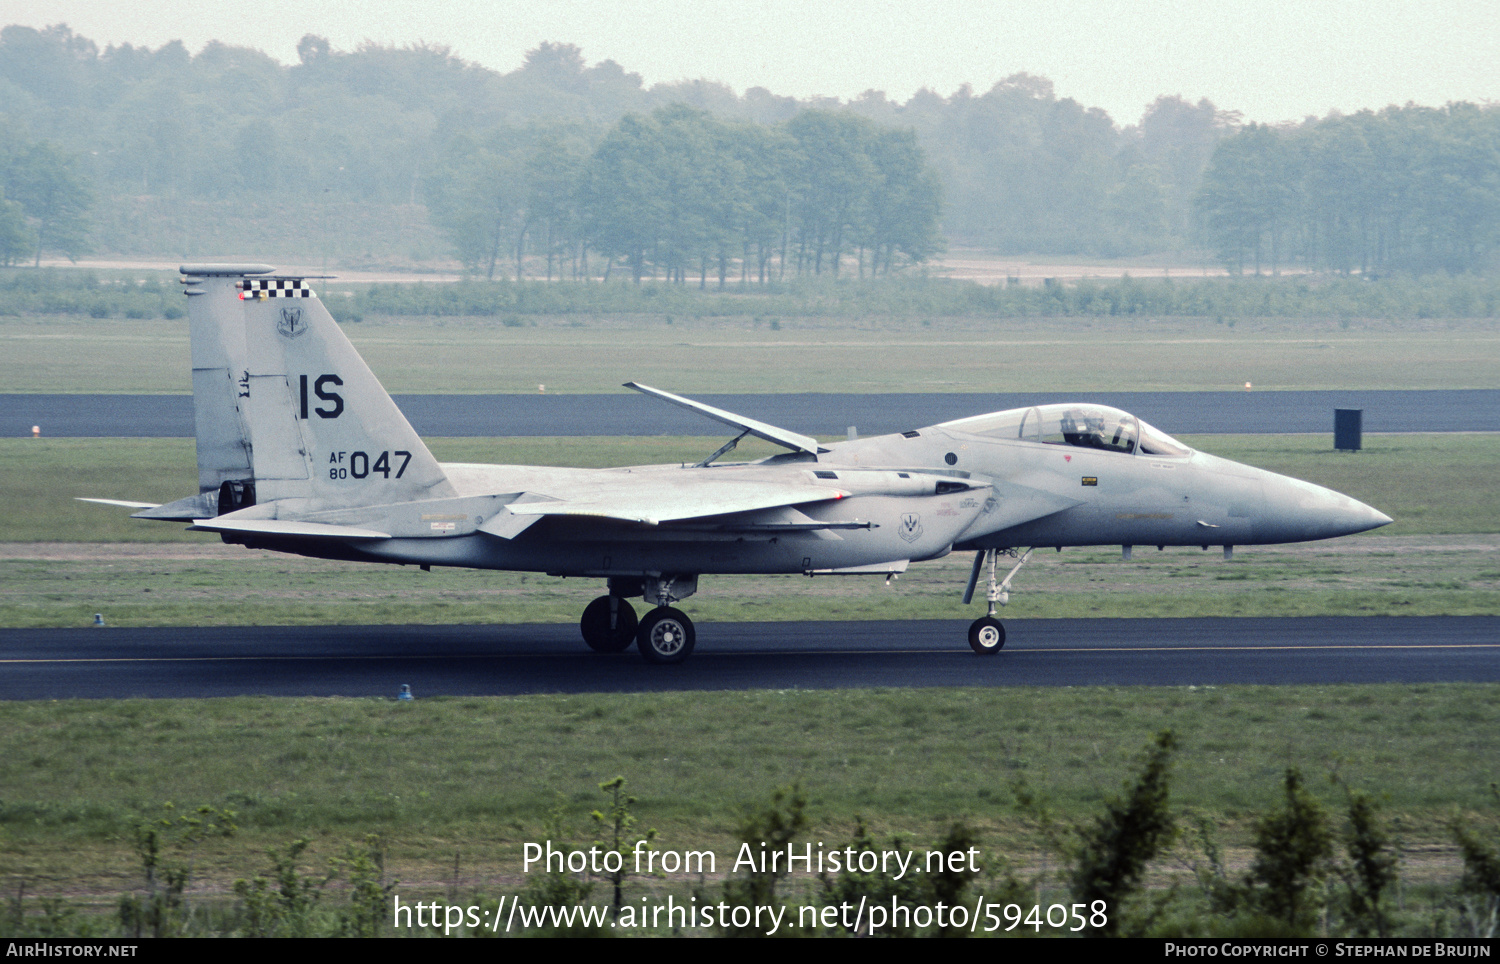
<point x="987" y="634"/>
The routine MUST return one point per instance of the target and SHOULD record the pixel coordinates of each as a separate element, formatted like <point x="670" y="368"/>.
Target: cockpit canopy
<point x="1069" y="423"/>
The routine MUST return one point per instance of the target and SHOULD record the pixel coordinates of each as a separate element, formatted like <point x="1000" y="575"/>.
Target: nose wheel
<point x="665" y="636"/>
<point x="986" y="636"/>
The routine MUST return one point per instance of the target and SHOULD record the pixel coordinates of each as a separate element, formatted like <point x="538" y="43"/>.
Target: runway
<point x="490" y="416"/>
<point x="373" y="661"/>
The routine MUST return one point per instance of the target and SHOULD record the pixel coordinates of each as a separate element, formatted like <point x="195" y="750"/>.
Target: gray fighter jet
<point x="301" y="450"/>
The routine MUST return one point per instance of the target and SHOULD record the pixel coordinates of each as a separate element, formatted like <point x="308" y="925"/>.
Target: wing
<point x="654" y="498"/>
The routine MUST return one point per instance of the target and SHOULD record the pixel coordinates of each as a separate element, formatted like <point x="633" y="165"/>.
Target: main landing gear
<point x="987" y="634"/>
<point x="609" y="624"/>
<point x="665" y="635"/>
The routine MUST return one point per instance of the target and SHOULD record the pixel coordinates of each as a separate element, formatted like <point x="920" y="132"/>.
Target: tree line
<point x="1020" y="169"/>
<point x="680" y="191"/>
<point x="1410" y="188"/>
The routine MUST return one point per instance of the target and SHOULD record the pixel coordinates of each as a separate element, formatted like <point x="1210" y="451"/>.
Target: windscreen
<point x="1156" y="442"/>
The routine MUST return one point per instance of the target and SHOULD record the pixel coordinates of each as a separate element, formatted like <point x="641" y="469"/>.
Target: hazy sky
<point x="1273" y="60"/>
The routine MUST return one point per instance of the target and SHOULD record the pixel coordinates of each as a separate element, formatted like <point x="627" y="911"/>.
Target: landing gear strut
<point x="987" y="634"/>
<point x="609" y="624"/>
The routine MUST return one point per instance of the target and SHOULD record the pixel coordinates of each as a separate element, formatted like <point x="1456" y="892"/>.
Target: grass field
<point x="473" y="778"/>
<point x="598" y="354"/>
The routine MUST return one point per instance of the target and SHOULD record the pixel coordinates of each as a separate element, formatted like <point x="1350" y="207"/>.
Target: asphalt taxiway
<point x="373" y="661"/>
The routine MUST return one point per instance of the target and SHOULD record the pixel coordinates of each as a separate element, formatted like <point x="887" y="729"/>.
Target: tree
<point x="556" y="65"/>
<point x="770" y="829"/>
<point x="624" y="204"/>
<point x="1293" y="848"/>
<point x="831" y="185"/>
<point x="1115" y="849"/>
<point x="904" y="201"/>
<point x="17" y="240"/>
<point x="1177" y="139"/>
<point x="765" y="156"/>
<point x="312" y="49"/>
<point x="1480" y="885"/>
<point x="477" y="196"/>
<point x="554" y="172"/>
<point x="615" y="834"/>
<point x="55" y="197"/>
<point x="1248" y="197"/>
<point x="1371" y="872"/>
<point x="701" y="188"/>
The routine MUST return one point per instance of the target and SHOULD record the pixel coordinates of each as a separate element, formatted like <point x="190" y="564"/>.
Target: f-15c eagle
<point x="301" y="450"/>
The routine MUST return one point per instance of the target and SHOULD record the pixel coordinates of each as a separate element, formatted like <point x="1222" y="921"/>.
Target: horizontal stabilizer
<point x="286" y="528"/>
<point x="200" y="506"/>
<point x="779" y="436"/>
<point x="187" y="509"/>
<point x="128" y="505"/>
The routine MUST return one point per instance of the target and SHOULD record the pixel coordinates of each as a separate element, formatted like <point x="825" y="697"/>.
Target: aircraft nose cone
<point x="1298" y="511"/>
<point x="1355" y="516"/>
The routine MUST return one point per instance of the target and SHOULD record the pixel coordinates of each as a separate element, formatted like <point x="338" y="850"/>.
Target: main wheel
<point x="609" y="624"/>
<point x="665" y="636"/>
<point x="986" y="636"/>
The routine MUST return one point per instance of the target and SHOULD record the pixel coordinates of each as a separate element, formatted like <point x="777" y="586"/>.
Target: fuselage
<point x="996" y="481"/>
<point x="1083" y="491"/>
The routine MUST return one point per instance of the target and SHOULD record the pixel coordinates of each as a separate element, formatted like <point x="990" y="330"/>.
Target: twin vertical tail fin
<point x="285" y="409"/>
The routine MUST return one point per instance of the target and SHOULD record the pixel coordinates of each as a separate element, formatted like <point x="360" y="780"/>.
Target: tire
<point x="665" y="636"/>
<point x="596" y="628"/>
<point x="986" y="636"/>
